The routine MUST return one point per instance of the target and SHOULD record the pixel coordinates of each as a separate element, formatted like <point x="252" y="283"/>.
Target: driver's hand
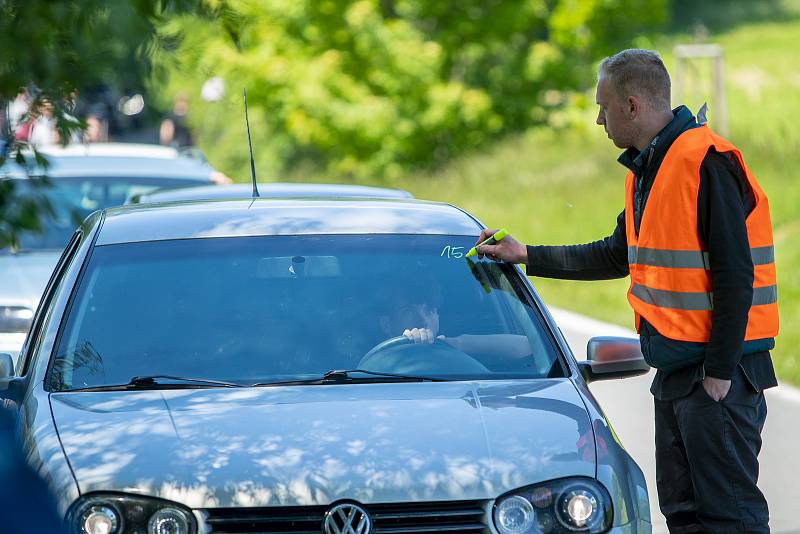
<point x="419" y="335"/>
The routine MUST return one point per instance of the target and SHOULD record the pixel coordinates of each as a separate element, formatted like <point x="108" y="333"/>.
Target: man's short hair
<point x="638" y="72"/>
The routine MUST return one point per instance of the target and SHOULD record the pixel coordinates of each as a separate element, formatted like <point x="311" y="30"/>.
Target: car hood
<point x="24" y="277"/>
<point x="312" y="445"/>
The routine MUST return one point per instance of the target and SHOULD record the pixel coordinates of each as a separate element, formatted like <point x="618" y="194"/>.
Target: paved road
<point x="629" y="406"/>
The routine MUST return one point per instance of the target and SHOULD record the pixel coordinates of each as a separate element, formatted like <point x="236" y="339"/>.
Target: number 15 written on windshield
<point x="452" y="252"/>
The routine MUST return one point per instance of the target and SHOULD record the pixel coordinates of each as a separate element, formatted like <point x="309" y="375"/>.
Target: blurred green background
<point x="375" y="89"/>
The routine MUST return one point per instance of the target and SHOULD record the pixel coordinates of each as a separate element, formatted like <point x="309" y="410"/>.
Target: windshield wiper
<point x="341" y="376"/>
<point x="331" y="377"/>
<point x="151" y="382"/>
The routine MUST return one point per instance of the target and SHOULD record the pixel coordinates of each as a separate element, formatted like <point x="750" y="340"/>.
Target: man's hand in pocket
<point x="716" y="388"/>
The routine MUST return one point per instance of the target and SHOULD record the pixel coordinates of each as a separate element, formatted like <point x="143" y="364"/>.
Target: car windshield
<point x="267" y="309"/>
<point x="73" y="199"/>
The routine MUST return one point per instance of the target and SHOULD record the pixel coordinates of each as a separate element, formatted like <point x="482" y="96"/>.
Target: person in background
<point x="43" y="126"/>
<point x="96" y="123"/>
<point x="696" y="239"/>
<point x="96" y="130"/>
<point x="16" y="112"/>
<point x="174" y="129"/>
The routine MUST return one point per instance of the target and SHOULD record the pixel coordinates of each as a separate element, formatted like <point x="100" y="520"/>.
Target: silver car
<point x="85" y="178"/>
<point x="313" y="366"/>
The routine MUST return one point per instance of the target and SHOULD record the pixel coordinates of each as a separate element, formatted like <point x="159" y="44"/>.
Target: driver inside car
<point x="419" y="322"/>
<point x="417" y="318"/>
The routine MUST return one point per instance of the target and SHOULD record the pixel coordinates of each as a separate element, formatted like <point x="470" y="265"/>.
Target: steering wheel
<point x="402" y="356"/>
<point x="385" y="345"/>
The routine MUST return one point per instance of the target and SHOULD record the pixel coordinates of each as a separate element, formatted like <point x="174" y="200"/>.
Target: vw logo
<point x="347" y="519"/>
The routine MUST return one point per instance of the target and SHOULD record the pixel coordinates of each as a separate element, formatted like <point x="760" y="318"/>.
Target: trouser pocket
<point x="721" y="441"/>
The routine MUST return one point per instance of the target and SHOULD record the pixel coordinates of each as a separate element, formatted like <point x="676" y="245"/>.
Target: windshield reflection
<point x="73" y="199"/>
<point x="262" y="309"/>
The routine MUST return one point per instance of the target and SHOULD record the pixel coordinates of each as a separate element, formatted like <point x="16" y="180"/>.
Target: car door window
<point x="45" y="305"/>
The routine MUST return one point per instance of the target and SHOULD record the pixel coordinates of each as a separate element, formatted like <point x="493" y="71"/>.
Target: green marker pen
<point x="497" y="236"/>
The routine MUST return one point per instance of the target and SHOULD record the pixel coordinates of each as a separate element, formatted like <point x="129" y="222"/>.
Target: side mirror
<point x="6" y="365"/>
<point x="608" y="358"/>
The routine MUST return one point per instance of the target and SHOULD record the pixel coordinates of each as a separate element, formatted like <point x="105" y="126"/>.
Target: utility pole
<point x="686" y="72"/>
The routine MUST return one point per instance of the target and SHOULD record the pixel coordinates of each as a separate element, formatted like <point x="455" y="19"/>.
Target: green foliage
<point x="61" y="46"/>
<point x="377" y="87"/>
<point x="23" y="212"/>
<point x="55" y="48"/>
<point x="721" y="15"/>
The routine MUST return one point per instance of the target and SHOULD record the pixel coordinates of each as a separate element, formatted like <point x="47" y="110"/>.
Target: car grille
<point x="404" y="518"/>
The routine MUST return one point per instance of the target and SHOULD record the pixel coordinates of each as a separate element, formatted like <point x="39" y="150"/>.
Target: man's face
<point x="613" y="116"/>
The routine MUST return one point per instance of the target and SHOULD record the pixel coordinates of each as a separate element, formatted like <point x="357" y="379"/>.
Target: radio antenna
<point x="250" y="144"/>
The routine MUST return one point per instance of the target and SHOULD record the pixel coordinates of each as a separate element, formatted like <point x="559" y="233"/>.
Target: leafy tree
<point x="59" y="48"/>
<point x="376" y="87"/>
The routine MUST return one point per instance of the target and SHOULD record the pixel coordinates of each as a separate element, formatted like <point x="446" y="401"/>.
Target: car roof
<point x="264" y="217"/>
<point x="115" y="160"/>
<point x="142" y="150"/>
<point x="272" y="190"/>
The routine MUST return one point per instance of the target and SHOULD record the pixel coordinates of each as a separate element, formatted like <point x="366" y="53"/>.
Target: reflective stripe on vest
<point x="697" y="301"/>
<point x="689" y="259"/>
<point x="669" y="264"/>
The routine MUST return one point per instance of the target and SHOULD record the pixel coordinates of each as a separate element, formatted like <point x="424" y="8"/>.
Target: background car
<point x="271" y="190"/>
<point x="312" y="365"/>
<point x="84" y="178"/>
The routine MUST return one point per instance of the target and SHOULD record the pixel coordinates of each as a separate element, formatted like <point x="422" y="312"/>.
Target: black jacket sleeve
<point x="724" y="201"/>
<point x="599" y="260"/>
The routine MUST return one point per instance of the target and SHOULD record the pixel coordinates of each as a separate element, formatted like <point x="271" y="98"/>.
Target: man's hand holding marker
<point x="499" y="245"/>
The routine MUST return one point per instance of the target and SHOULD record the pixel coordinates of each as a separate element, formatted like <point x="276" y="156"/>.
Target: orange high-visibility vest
<point x="669" y="267"/>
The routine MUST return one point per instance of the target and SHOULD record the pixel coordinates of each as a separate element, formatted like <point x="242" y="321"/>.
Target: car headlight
<point x="168" y="521"/>
<point x="515" y="515"/>
<point x="115" y="514"/>
<point x="99" y="519"/>
<point x="558" y="507"/>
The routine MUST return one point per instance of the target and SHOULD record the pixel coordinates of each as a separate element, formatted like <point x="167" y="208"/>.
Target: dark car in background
<point x="312" y="366"/>
<point x="271" y="190"/>
<point x="84" y="179"/>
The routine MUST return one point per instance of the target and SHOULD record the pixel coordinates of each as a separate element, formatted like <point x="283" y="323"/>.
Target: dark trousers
<point x="707" y="460"/>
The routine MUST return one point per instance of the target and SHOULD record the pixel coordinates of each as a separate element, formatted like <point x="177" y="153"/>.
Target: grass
<point x="556" y="187"/>
<point x="548" y="188"/>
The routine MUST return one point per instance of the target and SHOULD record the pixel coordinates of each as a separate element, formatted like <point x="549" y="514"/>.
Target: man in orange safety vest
<point x="696" y="240"/>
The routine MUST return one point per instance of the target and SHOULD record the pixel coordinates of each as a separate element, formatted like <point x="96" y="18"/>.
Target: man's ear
<point x="633" y="106"/>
